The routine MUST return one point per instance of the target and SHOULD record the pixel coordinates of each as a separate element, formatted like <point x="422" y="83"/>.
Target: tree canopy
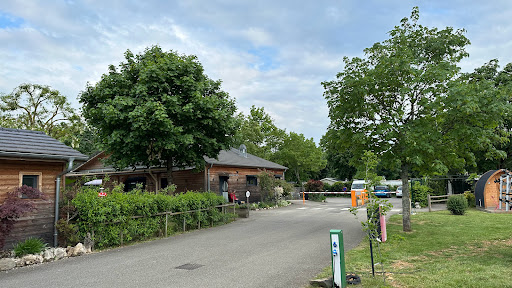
<point x="401" y="102"/>
<point x="37" y="107"/>
<point x="301" y="155"/>
<point x="259" y="133"/>
<point x="492" y="79"/>
<point x="159" y="108"/>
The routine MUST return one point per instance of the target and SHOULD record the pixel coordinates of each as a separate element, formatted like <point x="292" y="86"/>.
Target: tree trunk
<point x="170" y="164"/>
<point x="298" y="178"/>
<point x="406" y="198"/>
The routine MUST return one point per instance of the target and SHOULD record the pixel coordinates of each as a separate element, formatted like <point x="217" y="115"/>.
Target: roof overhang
<point x="24" y="156"/>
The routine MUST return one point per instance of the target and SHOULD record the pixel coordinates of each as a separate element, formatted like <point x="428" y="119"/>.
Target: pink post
<point x="383" y="227"/>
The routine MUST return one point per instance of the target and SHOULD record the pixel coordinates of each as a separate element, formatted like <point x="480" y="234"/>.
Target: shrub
<point x="68" y="233"/>
<point x="169" y="190"/>
<point x="457" y="204"/>
<point x="111" y="216"/>
<point x="29" y="246"/>
<point x="288" y="188"/>
<point x="317" y="197"/>
<point x="15" y="207"/>
<point x="268" y="184"/>
<point x="327" y="187"/>
<point x="338" y="186"/>
<point x="314" y="186"/>
<point x="420" y="193"/>
<point x="470" y="196"/>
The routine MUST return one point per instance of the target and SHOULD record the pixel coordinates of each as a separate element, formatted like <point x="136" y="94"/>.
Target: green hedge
<point x="110" y="217"/>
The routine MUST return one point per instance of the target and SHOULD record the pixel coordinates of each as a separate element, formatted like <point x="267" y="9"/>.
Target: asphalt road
<point x="282" y="247"/>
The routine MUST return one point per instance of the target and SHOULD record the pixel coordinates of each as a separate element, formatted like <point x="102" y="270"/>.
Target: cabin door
<point x="223" y="182"/>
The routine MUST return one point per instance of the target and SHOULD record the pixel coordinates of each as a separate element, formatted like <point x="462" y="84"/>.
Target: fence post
<point x="166" y="219"/>
<point x="121" y="236"/>
<point x="184" y="224"/>
<point x="429" y="203"/>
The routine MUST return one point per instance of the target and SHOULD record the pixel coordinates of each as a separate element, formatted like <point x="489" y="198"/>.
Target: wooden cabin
<point x="233" y="171"/>
<point x="35" y="159"/>
<point x="487" y="189"/>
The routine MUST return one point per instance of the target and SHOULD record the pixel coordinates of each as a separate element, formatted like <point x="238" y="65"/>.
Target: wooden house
<point x="35" y="159"/>
<point x="487" y="189"/>
<point x="233" y="171"/>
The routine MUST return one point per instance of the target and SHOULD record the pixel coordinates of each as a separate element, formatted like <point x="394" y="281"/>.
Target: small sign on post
<point x="248" y="194"/>
<point x="101" y="193"/>
<point x="338" y="259"/>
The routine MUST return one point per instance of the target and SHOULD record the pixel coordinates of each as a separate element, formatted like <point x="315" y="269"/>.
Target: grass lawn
<point x="444" y="250"/>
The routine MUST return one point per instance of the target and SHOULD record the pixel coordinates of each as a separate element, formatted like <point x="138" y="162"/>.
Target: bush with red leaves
<point x="314" y="186"/>
<point x="15" y="207"/>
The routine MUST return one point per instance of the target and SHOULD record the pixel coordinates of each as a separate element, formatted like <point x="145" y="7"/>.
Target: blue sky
<point x="272" y="54"/>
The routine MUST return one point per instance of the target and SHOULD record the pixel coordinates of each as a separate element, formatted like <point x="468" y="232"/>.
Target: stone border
<point x="48" y="255"/>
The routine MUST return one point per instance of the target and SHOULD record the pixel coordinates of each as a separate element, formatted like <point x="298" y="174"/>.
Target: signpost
<point x="338" y="259"/>
<point x="248" y="194"/>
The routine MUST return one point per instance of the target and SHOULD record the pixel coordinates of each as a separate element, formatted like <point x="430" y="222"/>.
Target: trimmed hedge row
<point x="109" y="218"/>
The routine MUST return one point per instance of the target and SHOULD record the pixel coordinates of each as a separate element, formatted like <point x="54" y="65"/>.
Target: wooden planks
<point x="38" y="223"/>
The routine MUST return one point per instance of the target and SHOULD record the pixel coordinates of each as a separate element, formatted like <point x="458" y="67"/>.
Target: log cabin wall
<point x="185" y="180"/>
<point x="188" y="180"/>
<point x="237" y="180"/>
<point x="38" y="223"/>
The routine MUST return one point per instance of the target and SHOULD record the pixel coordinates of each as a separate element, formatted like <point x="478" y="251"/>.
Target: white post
<point x="507" y="197"/>
<point x="501" y="191"/>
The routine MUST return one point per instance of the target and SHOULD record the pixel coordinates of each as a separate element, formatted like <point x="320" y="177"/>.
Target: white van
<point x="359" y="186"/>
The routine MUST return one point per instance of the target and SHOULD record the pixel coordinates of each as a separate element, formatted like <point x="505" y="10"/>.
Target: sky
<point x="268" y="53"/>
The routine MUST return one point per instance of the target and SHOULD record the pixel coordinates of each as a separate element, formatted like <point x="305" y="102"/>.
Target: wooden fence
<point x="442" y="198"/>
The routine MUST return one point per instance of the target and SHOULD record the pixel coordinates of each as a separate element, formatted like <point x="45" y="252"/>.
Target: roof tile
<point x="18" y="142"/>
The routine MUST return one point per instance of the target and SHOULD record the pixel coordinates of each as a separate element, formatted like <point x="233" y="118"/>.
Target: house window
<point x="31" y="179"/>
<point x="252" y="180"/>
<point x="131" y="183"/>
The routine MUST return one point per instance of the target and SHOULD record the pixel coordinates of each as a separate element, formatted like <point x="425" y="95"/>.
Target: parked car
<point x="399" y="191"/>
<point x="382" y="191"/>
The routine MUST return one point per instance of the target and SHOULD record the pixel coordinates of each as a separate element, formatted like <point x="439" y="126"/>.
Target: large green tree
<point x="259" y="133"/>
<point x="399" y="101"/>
<point x="498" y="81"/>
<point x="37" y="107"/>
<point x="160" y="108"/>
<point x="301" y="155"/>
<point x="338" y="162"/>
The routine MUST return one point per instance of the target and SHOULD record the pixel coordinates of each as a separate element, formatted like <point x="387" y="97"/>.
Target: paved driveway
<point x="282" y="247"/>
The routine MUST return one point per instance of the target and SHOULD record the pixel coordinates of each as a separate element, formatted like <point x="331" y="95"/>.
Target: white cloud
<point x="272" y="54"/>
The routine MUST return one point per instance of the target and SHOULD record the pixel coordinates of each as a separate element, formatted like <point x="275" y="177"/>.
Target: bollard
<point x="338" y="259"/>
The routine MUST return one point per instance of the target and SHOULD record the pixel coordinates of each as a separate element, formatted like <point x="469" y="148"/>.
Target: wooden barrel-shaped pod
<point x="487" y="189"/>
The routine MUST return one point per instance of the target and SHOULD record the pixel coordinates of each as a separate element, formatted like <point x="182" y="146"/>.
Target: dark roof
<point x="233" y="157"/>
<point x="20" y="143"/>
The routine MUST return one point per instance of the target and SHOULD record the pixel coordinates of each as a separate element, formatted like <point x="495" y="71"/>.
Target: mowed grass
<point x="444" y="250"/>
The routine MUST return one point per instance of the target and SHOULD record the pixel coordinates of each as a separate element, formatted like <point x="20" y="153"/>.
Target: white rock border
<point x="48" y="255"/>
